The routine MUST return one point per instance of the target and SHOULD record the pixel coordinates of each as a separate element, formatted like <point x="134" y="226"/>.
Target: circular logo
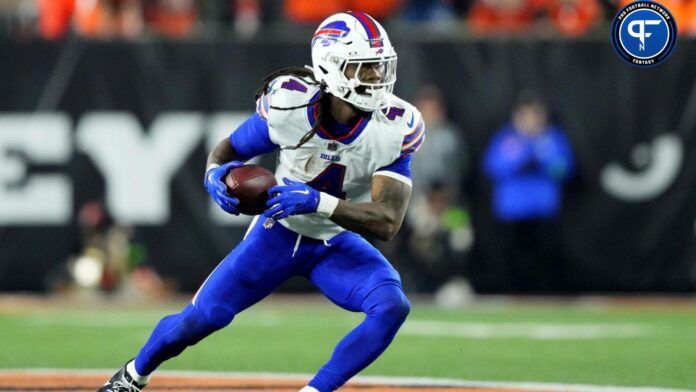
<point x="644" y="33"/>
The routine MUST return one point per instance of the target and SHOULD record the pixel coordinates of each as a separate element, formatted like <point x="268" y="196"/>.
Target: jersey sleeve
<point x="400" y="169"/>
<point x="412" y="131"/>
<point x="252" y="138"/>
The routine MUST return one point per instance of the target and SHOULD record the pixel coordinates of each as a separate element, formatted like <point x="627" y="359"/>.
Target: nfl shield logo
<point x="268" y="223"/>
<point x="333" y="146"/>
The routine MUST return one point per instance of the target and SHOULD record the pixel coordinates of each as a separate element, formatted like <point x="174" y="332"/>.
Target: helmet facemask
<point x="369" y="81"/>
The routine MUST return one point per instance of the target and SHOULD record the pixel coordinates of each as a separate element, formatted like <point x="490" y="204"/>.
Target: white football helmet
<point x="355" y="44"/>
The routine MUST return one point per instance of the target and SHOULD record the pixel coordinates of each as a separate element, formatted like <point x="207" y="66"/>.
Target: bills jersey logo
<point x="330" y="33"/>
<point x="332" y="158"/>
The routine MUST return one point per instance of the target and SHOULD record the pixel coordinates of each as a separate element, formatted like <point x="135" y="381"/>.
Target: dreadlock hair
<point x="307" y="75"/>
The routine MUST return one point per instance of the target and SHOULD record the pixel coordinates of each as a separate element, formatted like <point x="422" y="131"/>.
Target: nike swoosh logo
<point x="304" y="192"/>
<point x="410" y="123"/>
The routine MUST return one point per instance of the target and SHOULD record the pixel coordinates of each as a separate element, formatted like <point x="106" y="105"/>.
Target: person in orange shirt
<point x="688" y="26"/>
<point x="90" y="18"/>
<point x="502" y="16"/>
<point x="55" y="17"/>
<point x="173" y="18"/>
<point x="568" y="17"/>
<point x="312" y="11"/>
<point x="573" y="17"/>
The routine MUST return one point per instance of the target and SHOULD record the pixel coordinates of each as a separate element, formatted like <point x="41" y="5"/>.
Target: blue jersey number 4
<point x="330" y="180"/>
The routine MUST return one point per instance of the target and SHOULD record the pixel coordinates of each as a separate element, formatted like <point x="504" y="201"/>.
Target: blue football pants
<point x="347" y="269"/>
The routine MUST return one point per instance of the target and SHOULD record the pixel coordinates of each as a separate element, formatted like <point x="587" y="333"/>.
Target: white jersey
<point x="344" y="166"/>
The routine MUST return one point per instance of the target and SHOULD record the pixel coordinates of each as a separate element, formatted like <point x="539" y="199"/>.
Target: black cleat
<point x="122" y="382"/>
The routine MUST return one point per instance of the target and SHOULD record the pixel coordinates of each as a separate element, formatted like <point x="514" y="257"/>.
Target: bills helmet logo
<point x="330" y="33"/>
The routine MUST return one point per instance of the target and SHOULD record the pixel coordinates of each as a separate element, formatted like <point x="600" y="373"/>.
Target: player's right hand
<point x="214" y="182"/>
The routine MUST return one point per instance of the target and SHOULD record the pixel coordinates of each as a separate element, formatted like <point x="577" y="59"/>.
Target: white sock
<point x="130" y="368"/>
<point x="308" y="389"/>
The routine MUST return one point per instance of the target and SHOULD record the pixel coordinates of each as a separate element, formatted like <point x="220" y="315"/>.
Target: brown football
<point x="249" y="184"/>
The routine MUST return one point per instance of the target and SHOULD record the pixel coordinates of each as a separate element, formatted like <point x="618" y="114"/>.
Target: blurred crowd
<point x="129" y="19"/>
<point x="528" y="161"/>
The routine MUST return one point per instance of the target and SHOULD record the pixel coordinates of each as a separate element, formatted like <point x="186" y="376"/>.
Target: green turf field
<point x="631" y="346"/>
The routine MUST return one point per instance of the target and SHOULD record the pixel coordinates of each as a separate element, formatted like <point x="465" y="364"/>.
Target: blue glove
<point x="293" y="198"/>
<point x="214" y="183"/>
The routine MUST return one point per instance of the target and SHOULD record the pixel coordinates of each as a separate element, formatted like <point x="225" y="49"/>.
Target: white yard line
<point x="541" y="331"/>
<point x="374" y="380"/>
<point x="430" y="328"/>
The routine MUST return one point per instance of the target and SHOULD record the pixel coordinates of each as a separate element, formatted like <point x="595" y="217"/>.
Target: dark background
<point x="606" y="106"/>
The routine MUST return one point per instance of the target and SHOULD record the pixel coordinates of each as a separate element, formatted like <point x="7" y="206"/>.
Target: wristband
<point x="212" y="166"/>
<point x="327" y="204"/>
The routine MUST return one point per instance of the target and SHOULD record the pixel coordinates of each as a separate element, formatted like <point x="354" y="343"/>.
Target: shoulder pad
<point x="285" y="91"/>
<point x="408" y="120"/>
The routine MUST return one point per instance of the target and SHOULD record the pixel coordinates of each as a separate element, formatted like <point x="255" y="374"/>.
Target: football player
<point x="343" y="171"/>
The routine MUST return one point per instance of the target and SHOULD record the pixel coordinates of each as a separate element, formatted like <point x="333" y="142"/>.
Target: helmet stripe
<point x="369" y="24"/>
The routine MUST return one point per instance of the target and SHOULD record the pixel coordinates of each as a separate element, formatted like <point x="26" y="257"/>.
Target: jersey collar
<point x="337" y="132"/>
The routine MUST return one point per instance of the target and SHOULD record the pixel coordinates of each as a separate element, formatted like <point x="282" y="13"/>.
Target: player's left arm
<point x="391" y="191"/>
<point x="382" y="217"/>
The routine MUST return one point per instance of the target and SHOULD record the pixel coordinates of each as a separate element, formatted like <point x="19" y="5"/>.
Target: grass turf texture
<point x="289" y="338"/>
